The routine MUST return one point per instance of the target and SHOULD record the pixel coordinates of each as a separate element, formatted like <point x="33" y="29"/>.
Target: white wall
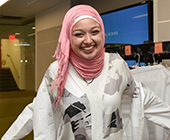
<point x="161" y="20"/>
<point x="48" y="24"/>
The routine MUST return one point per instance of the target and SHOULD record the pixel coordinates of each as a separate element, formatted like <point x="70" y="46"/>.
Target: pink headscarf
<point x="86" y="68"/>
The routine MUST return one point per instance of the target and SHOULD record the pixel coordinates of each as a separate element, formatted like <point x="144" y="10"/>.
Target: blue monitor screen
<point x="127" y="26"/>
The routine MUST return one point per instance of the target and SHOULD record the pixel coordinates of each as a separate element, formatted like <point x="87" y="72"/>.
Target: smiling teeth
<point x="88" y="48"/>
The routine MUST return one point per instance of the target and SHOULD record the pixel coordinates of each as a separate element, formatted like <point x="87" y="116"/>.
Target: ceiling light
<point x="17" y="33"/>
<point x="3" y="2"/>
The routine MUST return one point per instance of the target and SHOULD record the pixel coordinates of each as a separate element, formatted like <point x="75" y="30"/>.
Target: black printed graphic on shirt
<point x="80" y="119"/>
<point x="78" y="114"/>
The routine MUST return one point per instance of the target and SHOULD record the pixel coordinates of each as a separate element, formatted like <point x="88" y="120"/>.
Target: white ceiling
<point x="21" y="11"/>
<point x="18" y="13"/>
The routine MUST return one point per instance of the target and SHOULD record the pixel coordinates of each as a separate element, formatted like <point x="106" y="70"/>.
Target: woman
<point x="81" y="93"/>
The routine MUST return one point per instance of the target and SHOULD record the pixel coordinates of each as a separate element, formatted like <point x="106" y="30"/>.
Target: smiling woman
<point x="67" y="108"/>
<point x="87" y="40"/>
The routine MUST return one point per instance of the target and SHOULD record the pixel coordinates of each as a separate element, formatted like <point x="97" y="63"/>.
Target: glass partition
<point x="18" y="53"/>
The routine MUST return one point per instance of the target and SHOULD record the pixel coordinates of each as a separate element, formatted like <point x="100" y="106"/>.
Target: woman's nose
<point x="88" y="39"/>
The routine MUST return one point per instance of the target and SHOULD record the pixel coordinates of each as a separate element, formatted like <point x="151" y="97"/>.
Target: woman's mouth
<point x="88" y="48"/>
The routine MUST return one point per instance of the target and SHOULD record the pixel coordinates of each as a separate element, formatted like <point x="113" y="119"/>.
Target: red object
<point x="159" y="47"/>
<point x="128" y="50"/>
<point x="11" y="37"/>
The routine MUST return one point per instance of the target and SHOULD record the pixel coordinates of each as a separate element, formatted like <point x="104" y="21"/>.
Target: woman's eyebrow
<point x="96" y="27"/>
<point x="77" y="30"/>
<point x="82" y="29"/>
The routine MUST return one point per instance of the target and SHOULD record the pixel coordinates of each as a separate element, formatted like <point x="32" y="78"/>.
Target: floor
<point x="11" y="105"/>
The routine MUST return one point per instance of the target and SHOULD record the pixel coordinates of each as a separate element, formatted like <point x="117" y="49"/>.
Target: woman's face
<point x="87" y="38"/>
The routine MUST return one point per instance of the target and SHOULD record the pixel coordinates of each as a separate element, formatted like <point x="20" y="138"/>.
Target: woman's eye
<point x="78" y="34"/>
<point x="95" y="32"/>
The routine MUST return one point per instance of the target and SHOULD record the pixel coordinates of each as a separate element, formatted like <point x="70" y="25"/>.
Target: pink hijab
<point x="88" y="69"/>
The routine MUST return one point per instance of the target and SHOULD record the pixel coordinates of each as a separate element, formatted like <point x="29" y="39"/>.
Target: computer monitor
<point x="129" y="25"/>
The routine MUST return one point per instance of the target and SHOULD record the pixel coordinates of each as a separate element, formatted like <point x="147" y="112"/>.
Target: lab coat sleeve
<point x="22" y="126"/>
<point x="155" y="109"/>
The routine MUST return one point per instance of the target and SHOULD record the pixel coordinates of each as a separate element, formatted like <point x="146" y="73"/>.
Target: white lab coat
<point x="41" y="117"/>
